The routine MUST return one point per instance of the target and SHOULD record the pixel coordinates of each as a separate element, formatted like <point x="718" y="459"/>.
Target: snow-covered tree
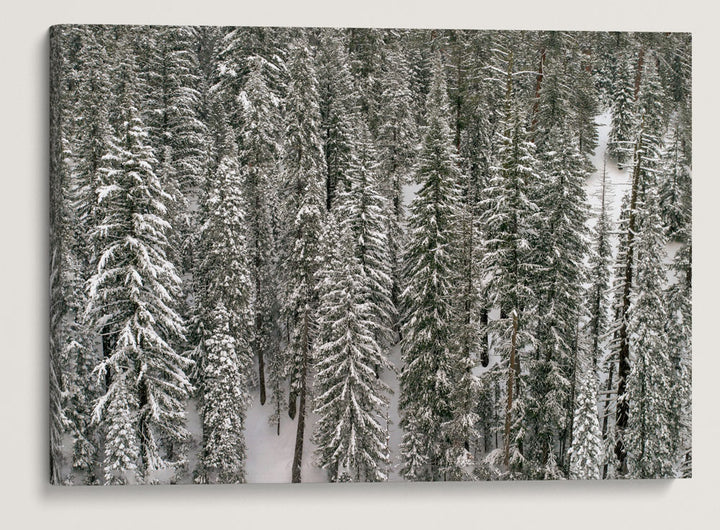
<point x="351" y="401"/>
<point x="623" y="113"/>
<point x="510" y="222"/>
<point x="560" y="250"/>
<point x="365" y="210"/>
<point x="429" y="358"/>
<point x="675" y="184"/>
<point x="679" y="332"/>
<point x="260" y="155"/>
<point x="599" y="270"/>
<point x="648" y="436"/>
<point x="396" y="142"/>
<point x="339" y="109"/>
<point x="224" y="402"/>
<point x="225" y="358"/>
<point x="586" y="452"/>
<point x="131" y="298"/>
<point x="304" y="164"/>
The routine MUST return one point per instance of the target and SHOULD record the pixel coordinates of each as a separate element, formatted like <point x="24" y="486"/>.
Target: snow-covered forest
<point x="284" y="254"/>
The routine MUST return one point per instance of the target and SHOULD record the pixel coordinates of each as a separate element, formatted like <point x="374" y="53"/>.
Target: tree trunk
<point x="638" y="72"/>
<point x="623" y="406"/>
<point x="606" y="411"/>
<point x="261" y="358"/>
<point x="300" y="437"/>
<point x="484" y="353"/>
<point x="538" y="86"/>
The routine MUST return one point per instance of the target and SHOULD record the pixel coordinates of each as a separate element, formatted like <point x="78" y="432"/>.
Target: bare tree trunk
<point x="261" y="358"/>
<point x="300" y="437"/>
<point x="484" y="349"/>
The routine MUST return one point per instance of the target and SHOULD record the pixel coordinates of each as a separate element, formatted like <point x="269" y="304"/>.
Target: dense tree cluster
<point x="265" y="214"/>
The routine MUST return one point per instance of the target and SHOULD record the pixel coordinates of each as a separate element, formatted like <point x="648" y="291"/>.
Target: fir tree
<point x="396" y="142"/>
<point x="429" y="359"/>
<point x="304" y="164"/>
<point x="623" y="114"/>
<point x="586" y="453"/>
<point x="224" y="357"/>
<point x="225" y="400"/>
<point x="675" y="185"/>
<point x="679" y="332"/>
<point x="600" y="262"/>
<point x="560" y="247"/>
<point x="647" y="437"/>
<point x="339" y="110"/>
<point x="131" y="297"/>
<point x="260" y="154"/>
<point x="351" y="400"/>
<point x="364" y="209"/>
<point x="510" y="225"/>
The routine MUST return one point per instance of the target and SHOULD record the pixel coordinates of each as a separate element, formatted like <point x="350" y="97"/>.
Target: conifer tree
<point x="560" y="248"/>
<point x="225" y="399"/>
<point x="226" y="362"/>
<point x="339" y="111"/>
<point x="586" y="453"/>
<point x="396" y="142"/>
<point x="648" y="436"/>
<point x="644" y="166"/>
<point x="623" y="114"/>
<point x="675" y="185"/>
<point x="428" y="351"/>
<point x="510" y="225"/>
<point x="365" y="210"/>
<point x="131" y="297"/>
<point x="260" y="154"/>
<point x="304" y="164"/>
<point x="600" y="262"/>
<point x="679" y="332"/>
<point x="351" y="400"/>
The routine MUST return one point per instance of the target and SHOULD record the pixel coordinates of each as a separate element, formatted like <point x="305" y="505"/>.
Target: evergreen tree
<point x="304" y="164"/>
<point x="351" y="400"/>
<point x="131" y="297"/>
<point x="561" y="248"/>
<point x="226" y="361"/>
<point x="623" y="114"/>
<point x="396" y="142"/>
<point x="339" y="111"/>
<point x="648" y="437"/>
<point x="225" y="399"/>
<point x="675" y="185"/>
<point x="644" y="166"/>
<point x="260" y="154"/>
<point x="679" y="332"/>
<point x="600" y="262"/>
<point x="428" y="376"/>
<point x="586" y="453"/>
<point x="510" y="225"/>
<point x="365" y="209"/>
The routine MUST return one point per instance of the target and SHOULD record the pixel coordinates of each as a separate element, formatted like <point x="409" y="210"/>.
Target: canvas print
<point x="341" y="255"/>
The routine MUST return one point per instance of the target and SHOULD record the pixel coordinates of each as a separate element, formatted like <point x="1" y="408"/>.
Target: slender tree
<point x="428" y="352"/>
<point x="304" y="164"/>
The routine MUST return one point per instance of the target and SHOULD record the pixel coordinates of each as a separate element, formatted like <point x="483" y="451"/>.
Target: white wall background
<point x="26" y="501"/>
